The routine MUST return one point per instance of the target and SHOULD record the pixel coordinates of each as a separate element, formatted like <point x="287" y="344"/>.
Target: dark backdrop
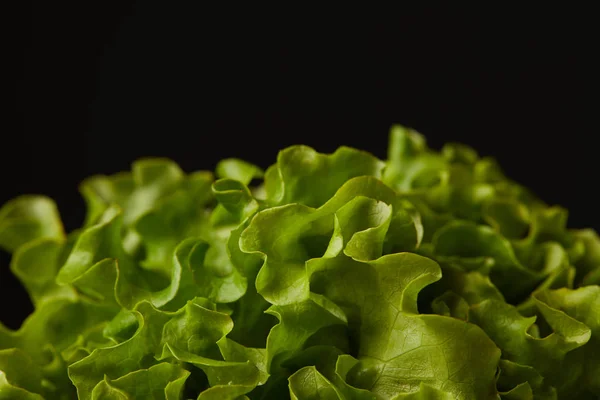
<point x="101" y="85"/>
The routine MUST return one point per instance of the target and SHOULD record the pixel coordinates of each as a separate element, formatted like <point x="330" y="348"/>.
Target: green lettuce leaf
<point x="308" y="383"/>
<point x="300" y="169"/>
<point x="27" y="218"/>
<point x="582" y="305"/>
<point x="161" y="381"/>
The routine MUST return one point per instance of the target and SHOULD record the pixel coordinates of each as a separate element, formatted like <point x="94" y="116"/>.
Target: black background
<point x="98" y="86"/>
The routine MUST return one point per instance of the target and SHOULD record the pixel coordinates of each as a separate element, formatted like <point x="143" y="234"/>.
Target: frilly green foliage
<point x="426" y="276"/>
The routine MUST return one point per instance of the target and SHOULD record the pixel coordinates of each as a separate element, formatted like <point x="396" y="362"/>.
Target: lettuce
<point x="429" y="275"/>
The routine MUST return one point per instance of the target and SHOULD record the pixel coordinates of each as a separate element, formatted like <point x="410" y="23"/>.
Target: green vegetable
<point x="429" y="275"/>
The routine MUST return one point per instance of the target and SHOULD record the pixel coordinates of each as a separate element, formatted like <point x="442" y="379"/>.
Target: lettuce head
<point x="428" y="275"/>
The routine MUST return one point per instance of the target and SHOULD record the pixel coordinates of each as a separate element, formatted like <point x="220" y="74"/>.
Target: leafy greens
<point x="429" y="275"/>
